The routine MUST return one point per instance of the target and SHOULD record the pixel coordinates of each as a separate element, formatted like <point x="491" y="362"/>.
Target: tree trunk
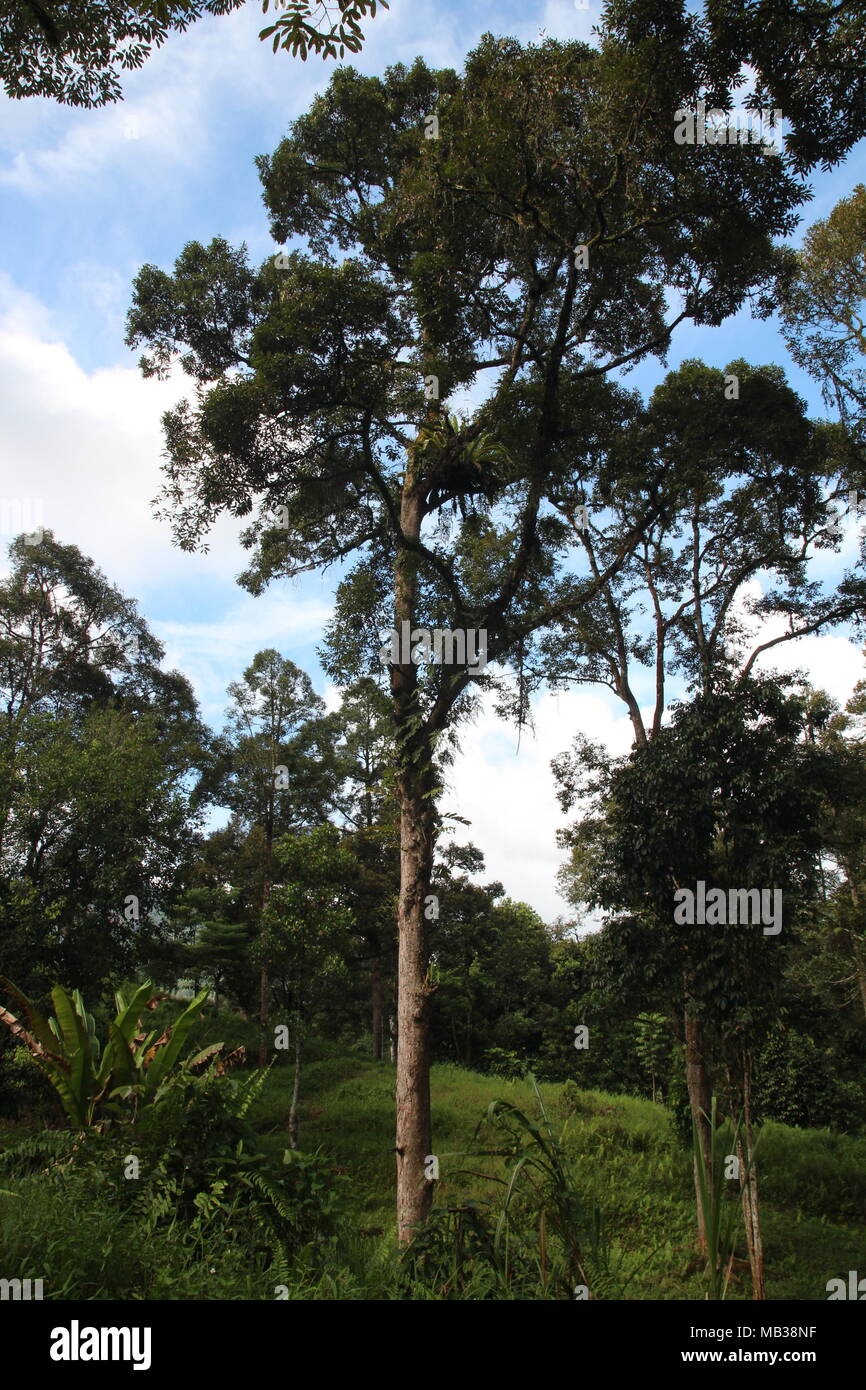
<point x="296" y="1090"/>
<point x="264" y="978"/>
<point x="414" y="1135"/>
<point x="264" y="1013"/>
<point x="376" y="972"/>
<point x="699" y="1103"/>
<point x="860" y="966"/>
<point x="416" y="789"/>
<point x="855" y="940"/>
<point x="749" y="1187"/>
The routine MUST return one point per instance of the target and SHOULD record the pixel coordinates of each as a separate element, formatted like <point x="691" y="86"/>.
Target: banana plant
<point x="87" y="1076"/>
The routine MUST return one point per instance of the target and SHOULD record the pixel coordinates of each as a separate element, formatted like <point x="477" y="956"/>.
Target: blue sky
<point x="90" y="196"/>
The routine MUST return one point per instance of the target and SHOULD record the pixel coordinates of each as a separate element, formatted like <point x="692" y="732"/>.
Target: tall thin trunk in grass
<point x="749" y="1185"/>
<point x="416" y="794"/>
<point x="264" y="976"/>
<point x="378" y="1008"/>
<point x="296" y="1090"/>
<point x="699" y="1101"/>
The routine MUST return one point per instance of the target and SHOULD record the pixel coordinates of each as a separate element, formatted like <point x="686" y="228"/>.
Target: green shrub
<point x="796" y="1084"/>
<point x="499" y="1061"/>
<point x="91" y="1079"/>
<point x="203" y="1186"/>
<point x="24" y="1091"/>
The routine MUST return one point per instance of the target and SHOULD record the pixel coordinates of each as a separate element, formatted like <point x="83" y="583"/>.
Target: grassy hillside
<point x="626" y="1159"/>
<point x="813" y="1182"/>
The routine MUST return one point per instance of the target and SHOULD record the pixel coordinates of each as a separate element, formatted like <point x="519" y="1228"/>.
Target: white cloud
<point x="568" y="19"/>
<point x="81" y="455"/>
<point x="211" y="653"/>
<point x="169" y="119"/>
<point x="89" y="142"/>
<point x="184" y="107"/>
<point x="88" y="448"/>
<point x="508" y="792"/>
<point x="88" y="445"/>
<point x="830" y="661"/>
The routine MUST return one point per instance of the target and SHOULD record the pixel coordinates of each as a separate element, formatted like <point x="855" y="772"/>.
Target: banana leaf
<point x="166" y="1056"/>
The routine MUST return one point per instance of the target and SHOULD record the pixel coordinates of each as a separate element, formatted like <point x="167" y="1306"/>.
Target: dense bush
<point x="796" y="1084"/>
<point x="189" y="1168"/>
<point x="24" y="1091"/>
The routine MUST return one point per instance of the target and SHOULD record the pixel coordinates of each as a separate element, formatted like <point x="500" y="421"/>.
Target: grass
<point x="813" y="1183"/>
<point x="625" y="1158"/>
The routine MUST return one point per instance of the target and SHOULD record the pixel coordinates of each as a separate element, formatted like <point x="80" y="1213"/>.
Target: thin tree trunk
<point x="264" y="978"/>
<point x="699" y="1103"/>
<point x="749" y="1187"/>
<point x="861" y="976"/>
<point x="414" y="1134"/>
<point x="296" y="1090"/>
<point x="854" y="940"/>
<point x="264" y="1013"/>
<point x="415" y="787"/>
<point x="376" y="972"/>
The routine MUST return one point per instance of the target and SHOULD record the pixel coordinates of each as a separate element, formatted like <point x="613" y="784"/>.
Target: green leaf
<point x="39" y="1025"/>
<point x="166" y="1056"/>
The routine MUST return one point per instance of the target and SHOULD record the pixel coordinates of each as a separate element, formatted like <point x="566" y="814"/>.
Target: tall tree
<point x="753" y="487"/>
<point x="443" y="215"/>
<point x="105" y="769"/>
<point x="726" y="571"/>
<point x="730" y="795"/>
<point x="823" y="308"/>
<point x="281" y="773"/>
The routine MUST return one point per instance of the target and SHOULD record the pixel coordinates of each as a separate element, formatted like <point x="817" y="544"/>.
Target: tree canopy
<point x="76" y="51"/>
<point x="824" y="304"/>
<point x="105" y="769"/>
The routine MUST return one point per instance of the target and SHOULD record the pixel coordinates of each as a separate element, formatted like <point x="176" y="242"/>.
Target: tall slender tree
<point x="367" y="805"/>
<point x="280" y="773"/>
<point x="729" y="794"/>
<point x="527" y="223"/>
<point x="750" y="506"/>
